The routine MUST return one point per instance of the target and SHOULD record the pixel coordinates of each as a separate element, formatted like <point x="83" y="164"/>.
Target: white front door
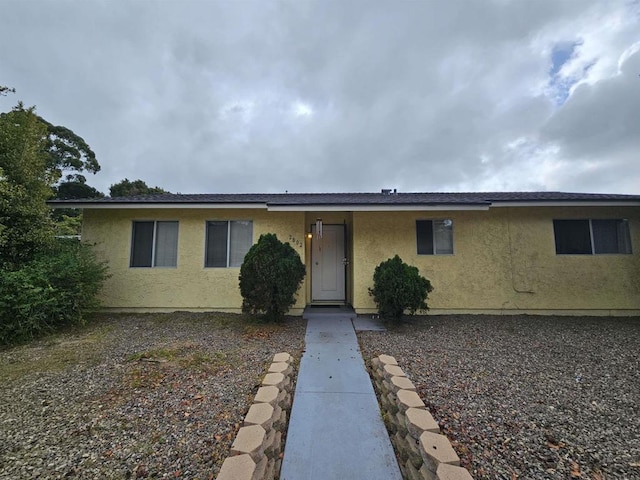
<point x="328" y="265"/>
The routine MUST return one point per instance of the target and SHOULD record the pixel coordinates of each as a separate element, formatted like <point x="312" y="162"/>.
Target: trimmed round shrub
<point x="398" y="287"/>
<point x="270" y="276"/>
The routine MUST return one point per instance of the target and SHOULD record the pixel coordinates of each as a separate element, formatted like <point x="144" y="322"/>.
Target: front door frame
<point x="342" y="266"/>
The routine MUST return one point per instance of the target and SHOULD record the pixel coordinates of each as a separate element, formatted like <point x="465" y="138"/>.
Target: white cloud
<point x="301" y="109"/>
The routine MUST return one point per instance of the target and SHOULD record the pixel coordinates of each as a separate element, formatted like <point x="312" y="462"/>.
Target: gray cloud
<point x="324" y="96"/>
<point x="600" y="118"/>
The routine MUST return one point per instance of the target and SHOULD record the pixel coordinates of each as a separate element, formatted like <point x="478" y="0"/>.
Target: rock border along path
<point x="255" y="453"/>
<point x="424" y="454"/>
<point x="336" y="429"/>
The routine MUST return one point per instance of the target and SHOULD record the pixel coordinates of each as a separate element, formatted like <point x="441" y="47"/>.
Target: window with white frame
<point x="227" y="242"/>
<point x="154" y="244"/>
<point x="592" y="237"/>
<point x="434" y="237"/>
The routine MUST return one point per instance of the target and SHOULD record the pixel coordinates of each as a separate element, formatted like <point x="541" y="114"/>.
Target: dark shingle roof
<point x="354" y="199"/>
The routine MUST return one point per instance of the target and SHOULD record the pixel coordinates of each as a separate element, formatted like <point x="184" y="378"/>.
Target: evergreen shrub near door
<point x="398" y="287"/>
<point x="270" y="276"/>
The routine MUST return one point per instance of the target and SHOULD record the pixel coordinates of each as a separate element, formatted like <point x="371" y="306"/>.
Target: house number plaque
<point x="295" y="241"/>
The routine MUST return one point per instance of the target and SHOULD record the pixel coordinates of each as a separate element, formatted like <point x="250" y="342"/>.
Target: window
<point x="154" y="244"/>
<point x="434" y="237"/>
<point x="588" y="237"/>
<point x="227" y="242"/>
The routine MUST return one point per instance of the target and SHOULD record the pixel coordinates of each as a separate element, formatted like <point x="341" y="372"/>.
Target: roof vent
<point x="388" y="191"/>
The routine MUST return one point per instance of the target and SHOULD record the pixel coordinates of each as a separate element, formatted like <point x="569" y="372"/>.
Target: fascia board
<point x="144" y="206"/>
<point x="337" y="208"/>
<point x="372" y="208"/>
<point x="604" y="203"/>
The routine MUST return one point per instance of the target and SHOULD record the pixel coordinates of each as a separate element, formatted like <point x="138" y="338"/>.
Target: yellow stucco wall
<point x="504" y="260"/>
<point x="189" y="286"/>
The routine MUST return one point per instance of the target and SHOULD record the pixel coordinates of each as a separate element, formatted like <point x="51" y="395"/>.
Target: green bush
<point x="270" y="276"/>
<point x="52" y="290"/>
<point x="398" y="287"/>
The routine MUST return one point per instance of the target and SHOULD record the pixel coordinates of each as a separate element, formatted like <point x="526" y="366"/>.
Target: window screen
<point x="586" y="237"/>
<point x="166" y="252"/>
<point x="434" y="237"/>
<point x="154" y="244"/>
<point x="240" y="241"/>
<point x="443" y="233"/>
<point x="611" y="236"/>
<point x="228" y="242"/>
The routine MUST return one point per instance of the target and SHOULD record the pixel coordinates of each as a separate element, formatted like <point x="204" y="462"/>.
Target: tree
<point x="44" y="283"/>
<point x="75" y="187"/>
<point x="25" y="185"/>
<point x="68" y="221"/>
<point x="68" y="225"/>
<point x="126" y="188"/>
<point x="270" y="276"/>
<point x="65" y="150"/>
<point x="68" y="151"/>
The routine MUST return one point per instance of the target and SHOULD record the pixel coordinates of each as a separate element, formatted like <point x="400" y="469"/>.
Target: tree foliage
<point x="75" y="187"/>
<point x="43" y="283"/>
<point x="68" y="225"/>
<point x="398" y="287"/>
<point x="270" y="276"/>
<point x="68" y="221"/>
<point x="61" y="149"/>
<point x="127" y="188"/>
<point x="25" y="185"/>
<point x="56" y="288"/>
<point x="64" y="150"/>
<point x="68" y="151"/>
<point x="4" y="90"/>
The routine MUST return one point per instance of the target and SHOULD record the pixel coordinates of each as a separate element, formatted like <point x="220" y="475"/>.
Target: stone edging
<point x="257" y="448"/>
<point x="423" y="454"/>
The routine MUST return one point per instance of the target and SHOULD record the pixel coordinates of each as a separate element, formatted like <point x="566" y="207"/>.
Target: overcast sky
<point x="334" y="96"/>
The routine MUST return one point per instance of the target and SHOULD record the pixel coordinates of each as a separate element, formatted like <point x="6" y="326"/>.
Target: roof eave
<point x="568" y="203"/>
<point x="375" y="207"/>
<point x="356" y="207"/>
<point x="155" y="205"/>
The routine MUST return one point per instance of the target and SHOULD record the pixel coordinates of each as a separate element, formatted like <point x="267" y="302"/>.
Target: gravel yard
<point x="527" y="397"/>
<point x="134" y="396"/>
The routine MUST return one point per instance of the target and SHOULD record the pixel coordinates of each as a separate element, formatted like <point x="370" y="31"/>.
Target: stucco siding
<point x="504" y="260"/>
<point x="189" y="286"/>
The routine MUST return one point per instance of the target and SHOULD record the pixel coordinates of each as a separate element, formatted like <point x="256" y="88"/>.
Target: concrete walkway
<point x="335" y="430"/>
